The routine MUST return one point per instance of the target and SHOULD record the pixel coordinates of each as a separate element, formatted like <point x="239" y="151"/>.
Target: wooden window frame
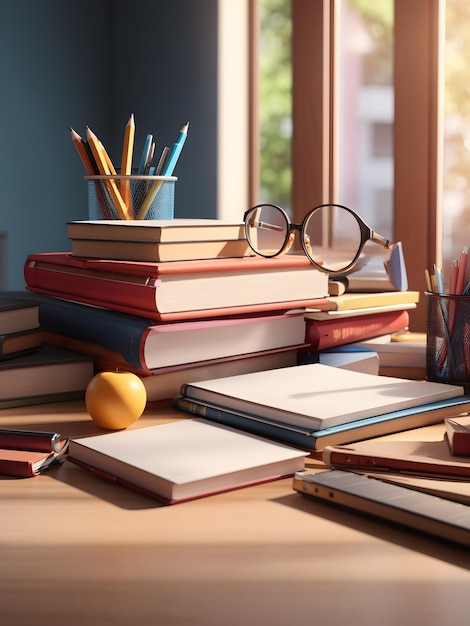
<point x="418" y="123"/>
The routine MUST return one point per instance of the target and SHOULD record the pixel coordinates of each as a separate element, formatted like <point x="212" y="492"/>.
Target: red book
<point x="322" y="334"/>
<point x="26" y="463"/>
<point x="179" y="289"/>
<point x="457" y="435"/>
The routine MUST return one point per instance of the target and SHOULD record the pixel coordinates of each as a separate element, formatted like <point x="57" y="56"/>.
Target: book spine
<point x="460" y="444"/>
<point x="351" y="460"/>
<point x="322" y="334"/>
<point x="24" y="440"/>
<point x="245" y="423"/>
<point x="16" y="468"/>
<point x="65" y="396"/>
<point x="126" y="297"/>
<point x="124" y="334"/>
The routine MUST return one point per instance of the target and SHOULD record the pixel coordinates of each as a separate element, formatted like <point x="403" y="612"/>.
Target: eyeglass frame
<point x="367" y="234"/>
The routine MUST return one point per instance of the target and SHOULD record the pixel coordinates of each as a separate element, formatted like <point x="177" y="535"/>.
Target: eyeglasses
<point x="332" y="236"/>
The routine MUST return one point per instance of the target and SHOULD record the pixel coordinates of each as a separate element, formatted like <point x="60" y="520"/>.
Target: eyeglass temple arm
<point x="266" y="225"/>
<point x="382" y="241"/>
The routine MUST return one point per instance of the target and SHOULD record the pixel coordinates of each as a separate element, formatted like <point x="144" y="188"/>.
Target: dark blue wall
<point x="94" y="62"/>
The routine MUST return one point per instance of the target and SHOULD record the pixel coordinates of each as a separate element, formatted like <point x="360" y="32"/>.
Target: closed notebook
<point x="317" y="396"/>
<point x="426" y="458"/>
<point x="315" y="440"/>
<point x="185" y="460"/>
<point x="27" y="463"/>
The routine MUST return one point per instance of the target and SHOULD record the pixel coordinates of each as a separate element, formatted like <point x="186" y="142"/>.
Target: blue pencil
<point x="175" y="151"/>
<point x="145" y="154"/>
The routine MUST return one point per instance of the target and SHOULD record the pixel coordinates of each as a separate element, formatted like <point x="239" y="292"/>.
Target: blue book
<point x="140" y="343"/>
<point x="316" y="440"/>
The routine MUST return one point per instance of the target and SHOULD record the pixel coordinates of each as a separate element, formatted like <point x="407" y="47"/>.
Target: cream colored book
<point x="184" y="460"/>
<point x="317" y="396"/>
<point x="179" y="229"/>
<point x="160" y="251"/>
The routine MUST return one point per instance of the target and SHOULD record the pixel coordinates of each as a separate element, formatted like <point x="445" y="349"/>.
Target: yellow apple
<point x="115" y="400"/>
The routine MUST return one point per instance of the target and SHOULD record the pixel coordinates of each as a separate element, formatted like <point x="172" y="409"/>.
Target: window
<point x="456" y="176"/>
<point x="367" y="118"/>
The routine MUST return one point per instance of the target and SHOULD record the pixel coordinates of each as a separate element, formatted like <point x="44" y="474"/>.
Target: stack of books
<point x="31" y="371"/>
<point x="360" y="321"/>
<point x="211" y="311"/>
<point x="25" y="453"/>
<point x="400" y="354"/>
<point x="19" y="326"/>
<point x="313" y="406"/>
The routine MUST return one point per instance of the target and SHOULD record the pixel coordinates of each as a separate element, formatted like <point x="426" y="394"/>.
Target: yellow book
<point x="353" y="300"/>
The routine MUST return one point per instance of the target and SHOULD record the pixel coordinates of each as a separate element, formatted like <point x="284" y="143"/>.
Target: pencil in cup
<point x="160" y="206"/>
<point x="448" y="338"/>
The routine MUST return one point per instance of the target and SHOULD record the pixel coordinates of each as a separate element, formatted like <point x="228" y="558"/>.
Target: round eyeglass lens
<point x="332" y="237"/>
<point x="266" y="229"/>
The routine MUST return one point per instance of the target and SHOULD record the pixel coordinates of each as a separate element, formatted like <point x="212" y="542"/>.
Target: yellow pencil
<point x="427" y="277"/>
<point x="149" y="198"/>
<point x="126" y="162"/>
<point x="103" y="166"/>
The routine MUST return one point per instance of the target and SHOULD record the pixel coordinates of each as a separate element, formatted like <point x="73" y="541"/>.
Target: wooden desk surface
<point x="78" y="550"/>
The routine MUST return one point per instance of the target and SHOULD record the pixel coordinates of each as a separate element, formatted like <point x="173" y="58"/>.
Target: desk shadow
<point x="86" y="481"/>
<point x="389" y="531"/>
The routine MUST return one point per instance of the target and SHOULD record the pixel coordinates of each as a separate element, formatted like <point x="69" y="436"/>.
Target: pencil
<point x="79" y="143"/>
<point x="107" y="158"/>
<point x="149" y="158"/>
<point x="427" y="276"/>
<point x="454" y="270"/>
<point x="462" y="271"/>
<point x="145" y="154"/>
<point x="126" y="162"/>
<point x="145" y="206"/>
<point x="176" y="151"/>
<point x="103" y="166"/>
<point x="162" y="160"/>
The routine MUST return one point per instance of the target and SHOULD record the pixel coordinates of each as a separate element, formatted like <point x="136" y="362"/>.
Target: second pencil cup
<point x="143" y="197"/>
<point x="448" y="338"/>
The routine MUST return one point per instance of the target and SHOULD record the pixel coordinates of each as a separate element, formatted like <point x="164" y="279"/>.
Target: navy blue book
<point x="120" y="339"/>
<point x="316" y="440"/>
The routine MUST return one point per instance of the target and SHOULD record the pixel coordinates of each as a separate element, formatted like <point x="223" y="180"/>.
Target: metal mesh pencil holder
<point x="146" y="197"/>
<point x="448" y="338"/>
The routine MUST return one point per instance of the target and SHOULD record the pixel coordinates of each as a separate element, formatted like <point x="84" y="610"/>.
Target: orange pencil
<point x="103" y="166"/>
<point x="81" y="149"/>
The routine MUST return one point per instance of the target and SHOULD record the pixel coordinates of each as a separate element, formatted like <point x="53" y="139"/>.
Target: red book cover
<point x="24" y="463"/>
<point x="457" y="435"/>
<point x="179" y="289"/>
<point x="322" y="334"/>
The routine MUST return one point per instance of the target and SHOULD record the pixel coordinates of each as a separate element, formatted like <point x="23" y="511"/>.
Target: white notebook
<point x="317" y="396"/>
<point x="186" y="459"/>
